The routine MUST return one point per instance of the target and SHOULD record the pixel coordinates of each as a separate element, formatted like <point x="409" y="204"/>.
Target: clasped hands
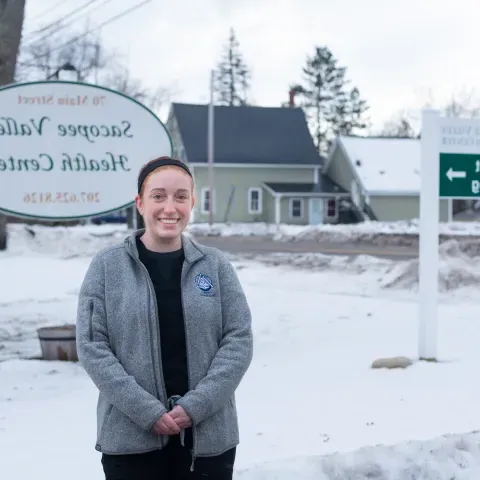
<point x="171" y="423"/>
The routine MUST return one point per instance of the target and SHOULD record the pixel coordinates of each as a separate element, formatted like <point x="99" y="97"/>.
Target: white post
<point x="135" y="218"/>
<point x="450" y="210"/>
<point x="277" y="210"/>
<point x="428" y="248"/>
<point x="211" y="136"/>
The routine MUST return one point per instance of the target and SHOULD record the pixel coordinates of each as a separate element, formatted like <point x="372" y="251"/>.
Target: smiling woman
<point x="165" y="201"/>
<point x="171" y="313"/>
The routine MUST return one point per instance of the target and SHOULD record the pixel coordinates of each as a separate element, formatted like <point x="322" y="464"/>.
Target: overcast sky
<point x="400" y="54"/>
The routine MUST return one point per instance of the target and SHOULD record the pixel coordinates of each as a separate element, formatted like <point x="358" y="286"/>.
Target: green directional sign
<point x="459" y="175"/>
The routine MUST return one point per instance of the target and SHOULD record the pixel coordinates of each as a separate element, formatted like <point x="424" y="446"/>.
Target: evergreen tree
<point x="349" y="111"/>
<point x="332" y="108"/>
<point x="232" y="77"/>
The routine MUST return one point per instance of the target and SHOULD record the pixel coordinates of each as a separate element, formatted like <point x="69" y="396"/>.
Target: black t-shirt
<point x="165" y="270"/>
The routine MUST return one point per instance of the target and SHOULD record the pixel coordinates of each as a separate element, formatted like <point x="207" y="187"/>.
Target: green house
<point x="382" y="176"/>
<point x="266" y="167"/>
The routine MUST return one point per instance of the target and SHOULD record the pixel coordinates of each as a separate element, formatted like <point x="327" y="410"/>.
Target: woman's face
<point x="166" y="202"/>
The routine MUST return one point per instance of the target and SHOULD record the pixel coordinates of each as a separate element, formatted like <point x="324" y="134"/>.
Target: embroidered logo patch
<point x="204" y="283"/>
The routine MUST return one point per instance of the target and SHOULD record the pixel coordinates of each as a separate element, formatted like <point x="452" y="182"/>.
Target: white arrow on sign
<point x="451" y="174"/>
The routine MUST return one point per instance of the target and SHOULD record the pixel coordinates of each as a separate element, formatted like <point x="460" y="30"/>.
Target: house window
<point x="296" y="208"/>
<point x="254" y="200"/>
<point x="205" y="200"/>
<point x="332" y="207"/>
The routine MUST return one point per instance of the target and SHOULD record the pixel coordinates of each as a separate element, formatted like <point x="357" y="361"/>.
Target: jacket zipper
<point x="194" y="436"/>
<point x="157" y="329"/>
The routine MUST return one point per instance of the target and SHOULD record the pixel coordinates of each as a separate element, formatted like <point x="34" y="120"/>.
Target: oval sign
<point x="73" y="150"/>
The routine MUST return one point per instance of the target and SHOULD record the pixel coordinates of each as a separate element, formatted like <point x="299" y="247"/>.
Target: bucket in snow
<point x="58" y="343"/>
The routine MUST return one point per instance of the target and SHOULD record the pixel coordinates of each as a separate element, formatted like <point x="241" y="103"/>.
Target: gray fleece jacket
<point x="118" y="344"/>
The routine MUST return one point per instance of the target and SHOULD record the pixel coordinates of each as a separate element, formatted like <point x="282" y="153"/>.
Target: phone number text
<point x="62" y="197"/>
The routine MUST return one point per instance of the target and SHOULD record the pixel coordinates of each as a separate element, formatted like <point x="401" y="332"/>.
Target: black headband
<point x="159" y="162"/>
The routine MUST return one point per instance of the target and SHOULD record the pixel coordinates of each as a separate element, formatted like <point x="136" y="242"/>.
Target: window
<point x="205" y="201"/>
<point x="332" y="207"/>
<point x="296" y="208"/>
<point x="254" y="200"/>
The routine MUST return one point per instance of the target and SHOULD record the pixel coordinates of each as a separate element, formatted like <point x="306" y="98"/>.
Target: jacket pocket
<point x="120" y="435"/>
<point x="219" y="432"/>
<point x="105" y="420"/>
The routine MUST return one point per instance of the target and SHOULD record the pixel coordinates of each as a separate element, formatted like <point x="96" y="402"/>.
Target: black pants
<point x="171" y="463"/>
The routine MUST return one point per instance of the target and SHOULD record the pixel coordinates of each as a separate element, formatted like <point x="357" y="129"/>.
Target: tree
<point x="349" y="113"/>
<point x="398" y="127"/>
<point x="41" y="58"/>
<point x="232" y="77"/>
<point x="12" y="14"/>
<point x="331" y="107"/>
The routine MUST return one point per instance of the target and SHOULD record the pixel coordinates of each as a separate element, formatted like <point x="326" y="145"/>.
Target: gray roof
<point x="268" y="135"/>
<point x="324" y="187"/>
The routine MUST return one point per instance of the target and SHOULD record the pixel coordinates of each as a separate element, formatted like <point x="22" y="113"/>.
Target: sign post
<point x="428" y="244"/>
<point x="450" y="168"/>
<point x="72" y="150"/>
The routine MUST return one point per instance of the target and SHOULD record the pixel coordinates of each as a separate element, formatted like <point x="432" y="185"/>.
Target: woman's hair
<point x="157" y="163"/>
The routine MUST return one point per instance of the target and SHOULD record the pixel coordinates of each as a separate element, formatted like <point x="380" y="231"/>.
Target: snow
<point x="387" y="165"/>
<point x="65" y="241"/>
<point x="310" y="407"/>
<point x="330" y="232"/>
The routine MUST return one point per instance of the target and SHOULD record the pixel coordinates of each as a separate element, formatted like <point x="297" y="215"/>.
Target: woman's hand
<point x="166" y="425"/>
<point x="180" y="417"/>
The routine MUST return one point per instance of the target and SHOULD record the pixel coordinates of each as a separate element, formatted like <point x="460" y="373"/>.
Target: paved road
<point x="266" y="245"/>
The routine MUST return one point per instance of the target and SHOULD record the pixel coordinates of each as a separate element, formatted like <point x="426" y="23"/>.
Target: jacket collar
<point x="191" y="249"/>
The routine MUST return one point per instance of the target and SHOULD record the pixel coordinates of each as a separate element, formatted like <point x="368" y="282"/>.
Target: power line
<point x="49" y="10"/>
<point x="68" y="15"/>
<point x="62" y="27"/>
<point x="98" y="27"/>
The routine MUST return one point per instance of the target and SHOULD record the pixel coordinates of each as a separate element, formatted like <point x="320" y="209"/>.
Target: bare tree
<point x="41" y="59"/>
<point x="120" y="79"/>
<point x="399" y="126"/>
<point x="464" y="103"/>
<point x="94" y="63"/>
<point x="12" y="13"/>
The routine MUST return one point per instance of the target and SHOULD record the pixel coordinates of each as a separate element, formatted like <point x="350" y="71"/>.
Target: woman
<point x="164" y="332"/>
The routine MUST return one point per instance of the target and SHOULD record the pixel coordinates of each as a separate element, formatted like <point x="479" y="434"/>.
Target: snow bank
<point x="459" y="267"/>
<point x="459" y="259"/>
<point x="444" y="458"/>
<point x="63" y="242"/>
<point x="92" y="237"/>
<point x="393" y="233"/>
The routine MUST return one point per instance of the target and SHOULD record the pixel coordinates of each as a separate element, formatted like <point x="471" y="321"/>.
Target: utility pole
<point x="12" y="14"/>
<point x="210" y="144"/>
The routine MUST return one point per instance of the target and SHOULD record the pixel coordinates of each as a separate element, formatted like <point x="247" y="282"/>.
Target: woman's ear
<point x="139" y="204"/>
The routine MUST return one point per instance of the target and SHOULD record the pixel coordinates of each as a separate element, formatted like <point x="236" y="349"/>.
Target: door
<point x="315" y="211"/>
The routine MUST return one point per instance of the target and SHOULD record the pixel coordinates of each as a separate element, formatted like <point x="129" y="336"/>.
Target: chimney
<point x="291" y="100"/>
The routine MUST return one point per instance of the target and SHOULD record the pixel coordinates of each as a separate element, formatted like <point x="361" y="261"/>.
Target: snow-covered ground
<point x="364" y="231"/>
<point x="343" y="232"/>
<point x="311" y="408"/>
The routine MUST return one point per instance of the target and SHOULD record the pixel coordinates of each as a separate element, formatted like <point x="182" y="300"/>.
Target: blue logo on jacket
<point x="204" y="283"/>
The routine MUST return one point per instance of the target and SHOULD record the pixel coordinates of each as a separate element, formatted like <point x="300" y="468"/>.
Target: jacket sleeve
<point x="234" y="354"/>
<point x="98" y="360"/>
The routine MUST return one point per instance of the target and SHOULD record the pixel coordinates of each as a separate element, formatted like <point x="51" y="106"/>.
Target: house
<point x="266" y="167"/>
<point x="382" y="176"/>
